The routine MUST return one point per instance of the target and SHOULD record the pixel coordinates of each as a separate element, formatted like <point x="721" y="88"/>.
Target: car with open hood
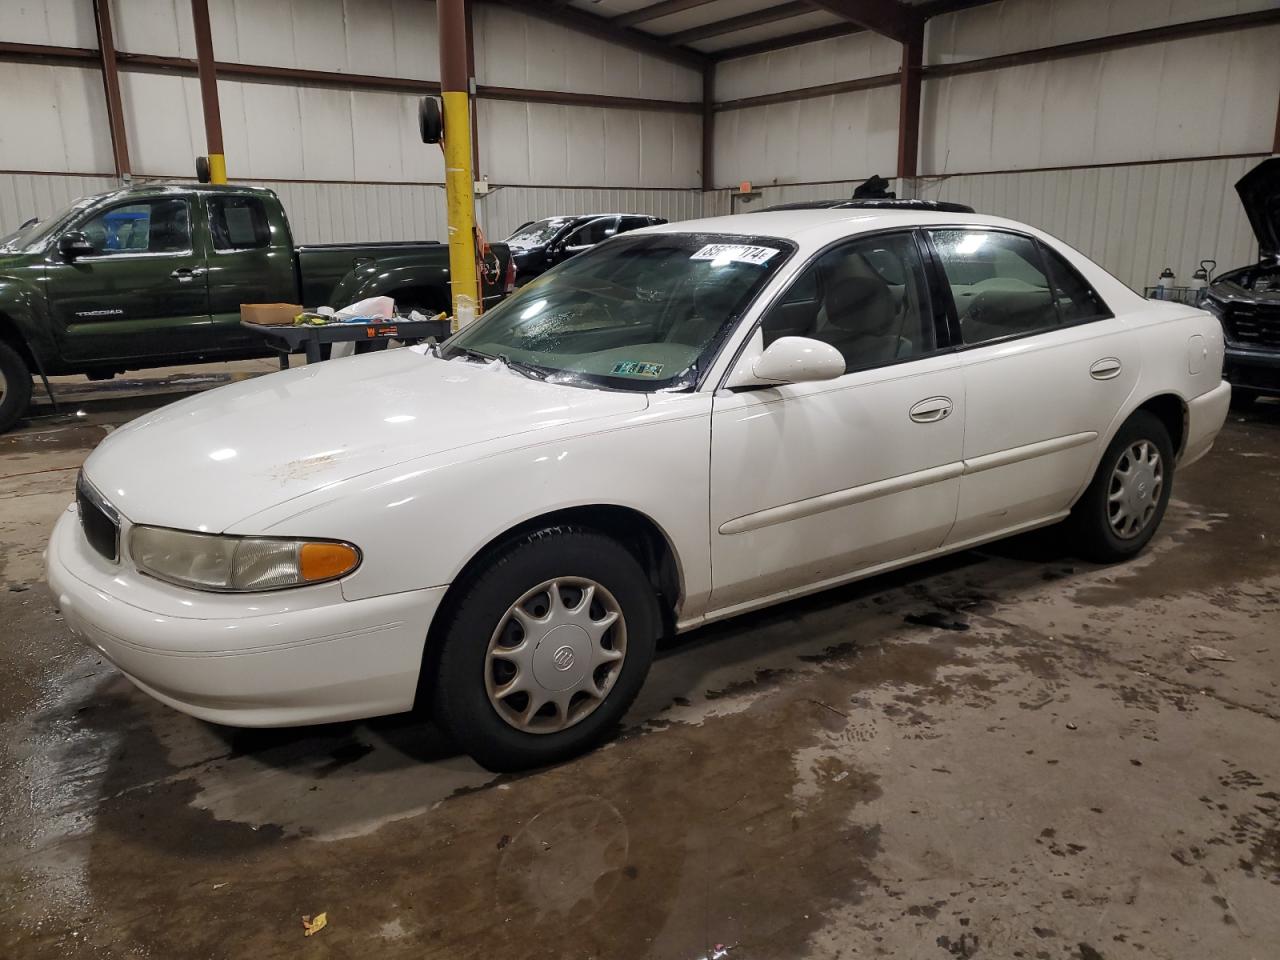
<point x="1247" y="299"/>
<point x="686" y="423"/>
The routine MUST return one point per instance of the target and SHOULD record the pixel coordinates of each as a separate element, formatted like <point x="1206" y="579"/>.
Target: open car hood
<point x="1259" y="191"/>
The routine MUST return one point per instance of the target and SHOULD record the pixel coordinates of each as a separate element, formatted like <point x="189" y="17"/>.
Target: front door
<point x="812" y="482"/>
<point x="141" y="294"/>
<point x="1046" y="369"/>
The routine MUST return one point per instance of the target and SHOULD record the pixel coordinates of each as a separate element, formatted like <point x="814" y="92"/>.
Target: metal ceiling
<point x="719" y="29"/>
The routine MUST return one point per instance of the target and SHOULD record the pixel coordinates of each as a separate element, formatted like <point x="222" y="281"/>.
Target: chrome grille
<point x="1254" y="325"/>
<point x="98" y="520"/>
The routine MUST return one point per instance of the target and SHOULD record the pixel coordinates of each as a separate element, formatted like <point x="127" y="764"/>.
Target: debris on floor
<point x="311" y="927"/>
<point x="1200" y="652"/>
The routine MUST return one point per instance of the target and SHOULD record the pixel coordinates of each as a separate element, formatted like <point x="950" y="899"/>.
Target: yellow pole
<point x="459" y="184"/>
<point x="217" y="168"/>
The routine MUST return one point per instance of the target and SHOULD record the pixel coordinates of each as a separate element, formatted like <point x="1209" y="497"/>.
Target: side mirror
<point x="74" y="244"/>
<point x="798" y="360"/>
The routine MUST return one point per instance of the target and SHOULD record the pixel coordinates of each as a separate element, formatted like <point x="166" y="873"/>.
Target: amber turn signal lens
<point x="325" y="561"/>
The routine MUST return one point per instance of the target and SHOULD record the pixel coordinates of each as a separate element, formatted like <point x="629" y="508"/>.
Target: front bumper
<point x="256" y="660"/>
<point x="1252" y="369"/>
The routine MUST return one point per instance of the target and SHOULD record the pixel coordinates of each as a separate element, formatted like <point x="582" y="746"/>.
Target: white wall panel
<point x="1197" y="97"/>
<point x="551" y="145"/>
<point x="819" y="139"/>
<point x="808" y="65"/>
<point x="515" y="50"/>
<point x="1134" y="220"/>
<point x="62" y="23"/>
<point x="24" y="195"/>
<point x="1008" y="26"/>
<point x="391" y="38"/>
<point x="54" y="118"/>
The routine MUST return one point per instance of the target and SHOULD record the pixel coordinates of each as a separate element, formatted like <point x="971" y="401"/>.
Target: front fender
<point x="421" y="522"/>
<point x="23" y="316"/>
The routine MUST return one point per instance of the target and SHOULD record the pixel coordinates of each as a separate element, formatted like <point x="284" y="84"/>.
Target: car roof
<point x="159" y="188"/>
<point x="810" y="228"/>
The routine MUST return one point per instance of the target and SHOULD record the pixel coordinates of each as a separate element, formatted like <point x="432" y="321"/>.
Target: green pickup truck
<point x="154" y="275"/>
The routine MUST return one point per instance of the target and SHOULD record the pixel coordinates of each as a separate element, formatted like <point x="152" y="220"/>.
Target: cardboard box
<point x="270" y="314"/>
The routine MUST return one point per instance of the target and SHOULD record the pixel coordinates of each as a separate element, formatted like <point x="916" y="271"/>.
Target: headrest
<point x="861" y="305"/>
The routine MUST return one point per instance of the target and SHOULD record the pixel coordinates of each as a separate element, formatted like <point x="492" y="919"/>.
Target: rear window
<point x="238" y="223"/>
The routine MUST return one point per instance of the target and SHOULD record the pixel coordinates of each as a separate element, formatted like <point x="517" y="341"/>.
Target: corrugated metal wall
<point x="1134" y="220"/>
<point x="369" y="176"/>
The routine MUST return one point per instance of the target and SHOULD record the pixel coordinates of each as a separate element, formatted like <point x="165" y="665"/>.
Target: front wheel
<point x="1126" y="500"/>
<point x="546" y="649"/>
<point x="15" y="386"/>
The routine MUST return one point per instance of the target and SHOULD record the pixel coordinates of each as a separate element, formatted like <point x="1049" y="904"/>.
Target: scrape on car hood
<point x="1259" y="191"/>
<point x="209" y="461"/>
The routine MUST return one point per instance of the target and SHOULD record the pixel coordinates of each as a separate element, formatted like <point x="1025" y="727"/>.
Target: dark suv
<point x="541" y="244"/>
<point x="1247" y="300"/>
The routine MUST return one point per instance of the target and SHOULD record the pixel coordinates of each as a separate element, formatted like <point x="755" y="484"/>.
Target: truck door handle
<point x="187" y="274"/>
<point x="1108" y="368"/>
<point x="932" y="410"/>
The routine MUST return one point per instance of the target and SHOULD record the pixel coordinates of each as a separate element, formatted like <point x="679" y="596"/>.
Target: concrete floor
<point x="1005" y="754"/>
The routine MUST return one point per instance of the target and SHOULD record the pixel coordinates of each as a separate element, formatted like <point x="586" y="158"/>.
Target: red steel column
<point x="111" y="85"/>
<point x="909" y="103"/>
<point x="209" y="91"/>
<point x="708" y="125"/>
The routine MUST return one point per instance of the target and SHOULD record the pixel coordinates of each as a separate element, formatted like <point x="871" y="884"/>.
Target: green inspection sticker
<point x="636" y="368"/>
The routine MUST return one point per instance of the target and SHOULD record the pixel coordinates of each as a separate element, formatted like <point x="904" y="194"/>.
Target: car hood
<point x="207" y="462"/>
<point x="1259" y="191"/>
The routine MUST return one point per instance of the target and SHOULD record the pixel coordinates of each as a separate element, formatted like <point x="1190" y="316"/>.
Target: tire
<point x="473" y="669"/>
<point x="15" y="386"/>
<point x="1102" y="518"/>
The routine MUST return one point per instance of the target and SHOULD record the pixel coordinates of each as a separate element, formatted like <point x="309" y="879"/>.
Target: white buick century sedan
<point x="686" y="423"/>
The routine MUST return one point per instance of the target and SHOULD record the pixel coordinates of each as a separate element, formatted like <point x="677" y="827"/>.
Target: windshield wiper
<point x="532" y="371"/>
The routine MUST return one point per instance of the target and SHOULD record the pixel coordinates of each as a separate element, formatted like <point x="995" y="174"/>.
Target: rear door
<point x="251" y="260"/>
<point x="142" y="293"/>
<point x="1046" y="369"/>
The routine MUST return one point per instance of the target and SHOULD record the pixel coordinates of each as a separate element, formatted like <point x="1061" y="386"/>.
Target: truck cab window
<point x="238" y="223"/>
<point x="162" y="225"/>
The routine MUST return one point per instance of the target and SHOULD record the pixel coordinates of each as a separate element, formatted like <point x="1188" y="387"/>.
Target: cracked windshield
<point x="642" y="312"/>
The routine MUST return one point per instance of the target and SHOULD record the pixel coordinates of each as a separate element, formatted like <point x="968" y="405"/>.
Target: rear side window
<point x="998" y="283"/>
<point x="238" y="223"/>
<point x="1077" y="301"/>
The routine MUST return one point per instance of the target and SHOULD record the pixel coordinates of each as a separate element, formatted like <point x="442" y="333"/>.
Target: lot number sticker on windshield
<point x="735" y="251"/>
<point x="636" y="368"/>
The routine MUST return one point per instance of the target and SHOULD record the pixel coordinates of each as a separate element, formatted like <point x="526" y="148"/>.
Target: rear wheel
<point x="1126" y="500"/>
<point x="546" y="649"/>
<point x="15" y="386"/>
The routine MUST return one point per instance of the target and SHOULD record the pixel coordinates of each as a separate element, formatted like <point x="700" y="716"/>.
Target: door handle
<point x="1108" y="368"/>
<point x="932" y="410"/>
<point x="187" y="274"/>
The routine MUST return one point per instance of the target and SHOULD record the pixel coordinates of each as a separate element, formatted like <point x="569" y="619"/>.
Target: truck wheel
<point x="546" y="650"/>
<point x="1126" y="500"/>
<point x="15" y="386"/>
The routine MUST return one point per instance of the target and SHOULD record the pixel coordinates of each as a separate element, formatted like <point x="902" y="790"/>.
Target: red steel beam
<point x="111" y="86"/>
<point x="809" y="93"/>
<point x="886" y="17"/>
<point x="788" y="40"/>
<point x="656" y="10"/>
<point x="757" y="18"/>
<point x="604" y="29"/>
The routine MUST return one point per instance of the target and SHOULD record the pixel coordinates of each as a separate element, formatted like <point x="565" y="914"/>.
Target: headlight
<point x="238" y="564"/>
